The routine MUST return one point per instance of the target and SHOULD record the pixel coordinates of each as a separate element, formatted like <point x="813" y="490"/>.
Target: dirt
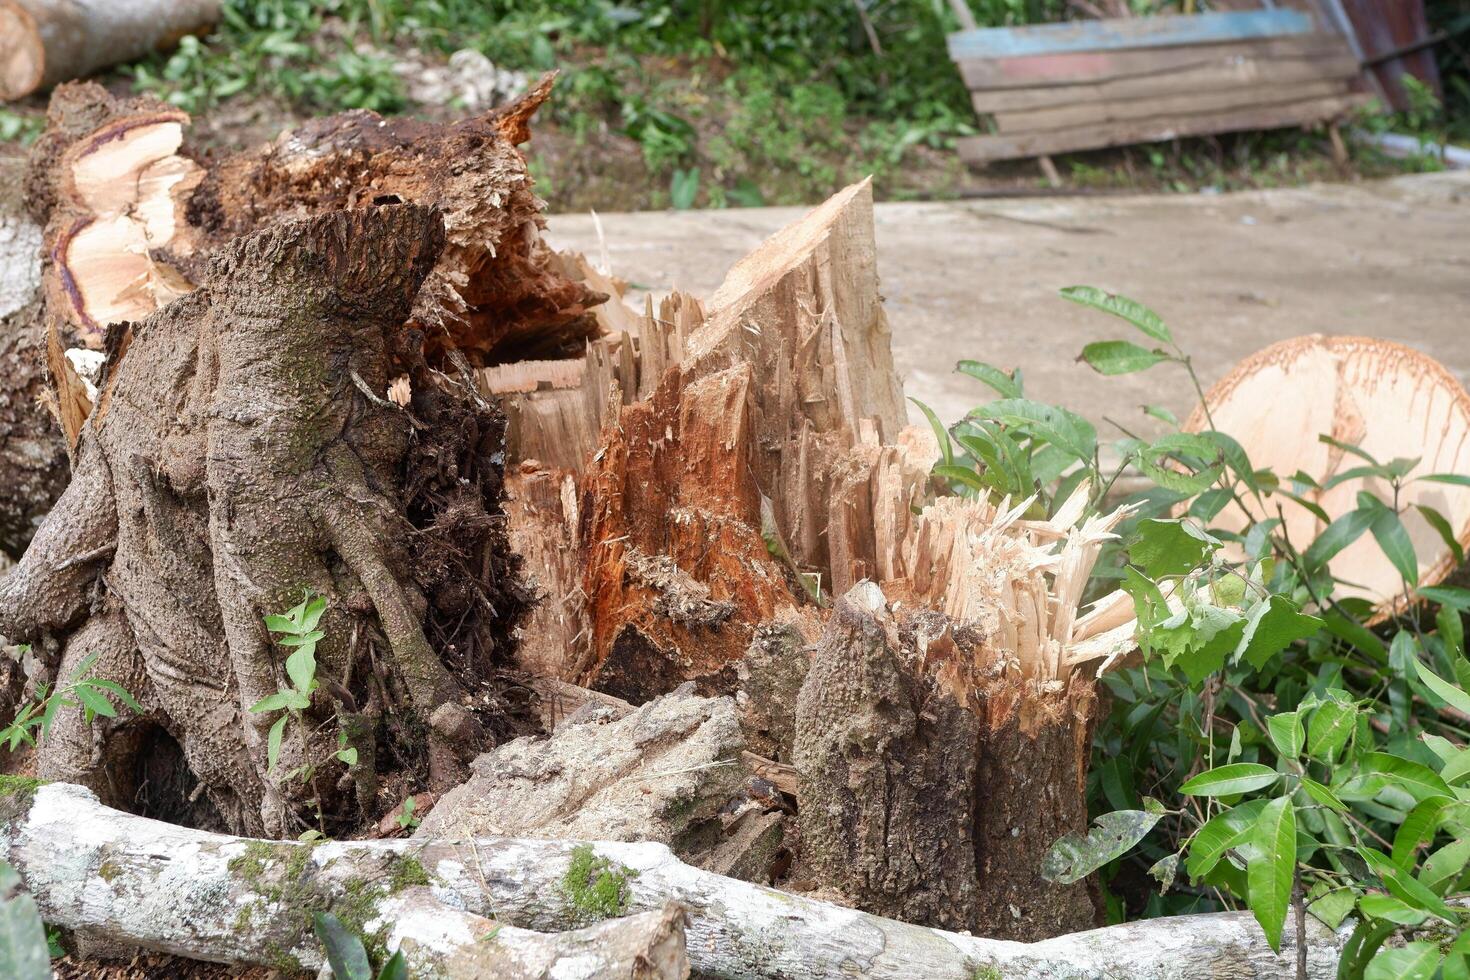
<point x="1230" y="273"/>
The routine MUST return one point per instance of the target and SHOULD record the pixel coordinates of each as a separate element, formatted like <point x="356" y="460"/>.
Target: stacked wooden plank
<point x="1055" y="88"/>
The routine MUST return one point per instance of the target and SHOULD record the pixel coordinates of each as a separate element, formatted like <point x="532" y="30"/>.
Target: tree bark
<point x="45" y="42"/>
<point x="238" y="454"/>
<point x="33" y="464"/>
<point x="209" y="896"/>
<point x="934" y="808"/>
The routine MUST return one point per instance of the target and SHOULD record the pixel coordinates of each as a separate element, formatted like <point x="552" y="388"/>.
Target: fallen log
<point x="46" y="42"/>
<point x="124" y="878"/>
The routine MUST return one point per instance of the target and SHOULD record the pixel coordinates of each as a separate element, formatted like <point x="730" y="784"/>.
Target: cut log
<point x="1387" y="399"/>
<point x="237" y="455"/>
<point x="105" y="177"/>
<point x="46" y="42"/>
<point x="189" y="891"/>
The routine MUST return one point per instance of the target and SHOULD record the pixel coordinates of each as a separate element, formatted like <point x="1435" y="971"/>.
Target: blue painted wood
<point x="1124" y="33"/>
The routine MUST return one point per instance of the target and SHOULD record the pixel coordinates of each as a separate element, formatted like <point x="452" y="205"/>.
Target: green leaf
<point x="1348" y="447"/>
<point x="1073" y="858"/>
<point x="1272" y="868"/>
<point x="396" y="968"/>
<point x="1417" y="828"/>
<point x="300" y="640"/>
<point x="279" y="624"/>
<point x="271" y="702"/>
<point x="1447" y="692"/>
<point x="24" y="954"/>
<point x="1403" y="887"/>
<point x="118" y="691"/>
<point x="1133" y="311"/>
<point x="1114" y="357"/>
<point x="301" y="668"/>
<point x="1169" y="547"/>
<point x="1421" y="781"/>
<point x="1163" y="871"/>
<point x="1056" y="425"/>
<point x="315" y="607"/>
<point x="1390" y="909"/>
<point x="1458" y="479"/>
<point x="345" y="952"/>
<point x="1441" y="869"/>
<point x="1273" y="626"/>
<point x="348" y="755"/>
<point x="1337" y="536"/>
<point x="963" y="474"/>
<point x="1447" y="595"/>
<point x="1238" y="777"/>
<point x="1323" y="795"/>
<point x="82" y="668"/>
<point x="1162" y="414"/>
<point x="273" y="743"/>
<point x="1331" y="905"/>
<point x="1445" y="531"/>
<point x="95" y="701"/>
<point x="941" y="434"/>
<point x="1006" y="385"/>
<point x="1416" y="961"/>
<point x="1219" y="834"/>
<point x="1393" y="538"/>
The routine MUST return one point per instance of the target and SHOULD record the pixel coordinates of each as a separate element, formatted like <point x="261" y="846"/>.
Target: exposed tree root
<point x="235" y="458"/>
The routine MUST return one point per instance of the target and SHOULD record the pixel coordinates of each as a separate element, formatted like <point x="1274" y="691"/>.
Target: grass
<point x="709" y="103"/>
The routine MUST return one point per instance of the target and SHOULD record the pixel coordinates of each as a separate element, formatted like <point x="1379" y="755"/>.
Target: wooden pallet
<point x="1084" y="85"/>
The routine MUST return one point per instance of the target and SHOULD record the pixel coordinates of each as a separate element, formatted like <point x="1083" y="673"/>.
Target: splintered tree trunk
<point x="45" y="42"/>
<point x="931" y="808"/>
<point x="238" y="455"/>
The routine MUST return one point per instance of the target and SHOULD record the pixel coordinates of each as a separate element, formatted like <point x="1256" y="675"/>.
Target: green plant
<point x="406" y="819"/>
<point x="25" y="953"/>
<point x="297" y="631"/>
<point x="77" y="690"/>
<point x="1318" y="755"/>
<point x="348" y="956"/>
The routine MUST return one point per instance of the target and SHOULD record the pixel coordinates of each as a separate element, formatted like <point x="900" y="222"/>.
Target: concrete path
<point x="1229" y="274"/>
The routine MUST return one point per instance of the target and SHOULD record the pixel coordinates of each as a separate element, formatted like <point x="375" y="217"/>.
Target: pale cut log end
<point x="119" y="188"/>
<point x="22" y="55"/>
<point x="1385" y="398"/>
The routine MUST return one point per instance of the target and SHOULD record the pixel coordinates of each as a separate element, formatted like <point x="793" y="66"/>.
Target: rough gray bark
<point x="771" y="674"/>
<point x="237" y="455"/>
<point x="44" y="42"/>
<point x="231" y="900"/>
<point x="920" y="805"/>
<point x="33" y="465"/>
<point x="657" y="774"/>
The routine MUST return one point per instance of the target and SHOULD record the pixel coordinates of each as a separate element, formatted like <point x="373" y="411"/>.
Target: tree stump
<point x="933" y="808"/>
<point x="238" y="454"/>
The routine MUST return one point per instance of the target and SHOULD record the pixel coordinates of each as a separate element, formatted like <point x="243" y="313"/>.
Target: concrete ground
<point x="1229" y="274"/>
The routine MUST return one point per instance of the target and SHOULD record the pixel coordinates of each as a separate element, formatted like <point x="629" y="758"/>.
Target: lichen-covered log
<point x="239" y="455"/>
<point x="116" y="876"/>
<point x="43" y="42"/>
